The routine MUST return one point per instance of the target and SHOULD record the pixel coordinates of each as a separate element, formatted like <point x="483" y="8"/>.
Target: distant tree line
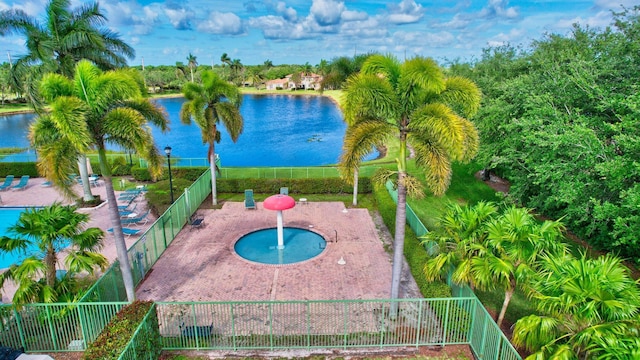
<point x="561" y="121"/>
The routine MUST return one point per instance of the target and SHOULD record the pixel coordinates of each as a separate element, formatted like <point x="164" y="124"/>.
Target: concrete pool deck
<point x="201" y="265"/>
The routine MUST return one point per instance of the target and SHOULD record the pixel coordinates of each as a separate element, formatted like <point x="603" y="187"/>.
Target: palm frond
<point x="433" y="159"/>
<point x="533" y="332"/>
<point x="382" y="175"/>
<point x="81" y="261"/>
<point x="384" y="66"/>
<point x="360" y="139"/>
<point x="369" y="96"/>
<point x="231" y="118"/>
<point x="414" y="186"/>
<point x="463" y="94"/>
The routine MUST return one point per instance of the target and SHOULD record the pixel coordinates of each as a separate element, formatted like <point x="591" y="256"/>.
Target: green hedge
<point x="18" y="169"/>
<point x="189" y="173"/>
<point x="296" y="186"/>
<point x="117" y="334"/>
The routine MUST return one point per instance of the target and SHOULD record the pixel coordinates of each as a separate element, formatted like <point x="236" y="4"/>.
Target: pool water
<point x="9" y="217"/>
<point x="261" y="246"/>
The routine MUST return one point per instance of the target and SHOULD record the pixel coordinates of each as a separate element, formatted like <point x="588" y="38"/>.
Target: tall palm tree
<point x="50" y="229"/>
<point x="589" y="309"/>
<point x="65" y="37"/>
<point x="208" y="104"/>
<point x="192" y="63"/>
<point x="94" y="109"/>
<point x="55" y="45"/>
<point x="415" y="102"/>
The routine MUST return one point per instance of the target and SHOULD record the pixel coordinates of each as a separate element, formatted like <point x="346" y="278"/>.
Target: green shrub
<point x="159" y="197"/>
<point x="189" y="173"/>
<point x="18" y="169"/>
<point x="118" y="333"/>
<point x="119" y="166"/>
<point x="296" y="186"/>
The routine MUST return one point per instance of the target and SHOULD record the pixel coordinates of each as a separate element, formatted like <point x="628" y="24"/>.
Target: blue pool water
<point x="9" y="217"/>
<point x="261" y="246"/>
<point x="279" y="130"/>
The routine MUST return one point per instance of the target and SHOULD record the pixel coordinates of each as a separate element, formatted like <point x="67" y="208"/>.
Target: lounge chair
<point x="284" y="191"/>
<point x="47" y="184"/>
<point x="24" y="181"/>
<point x="7" y="183"/>
<point x="138" y="220"/>
<point x="249" y="203"/>
<point x="196" y="221"/>
<point x="125" y="212"/>
<point x="127" y="231"/>
<point x="124" y="207"/>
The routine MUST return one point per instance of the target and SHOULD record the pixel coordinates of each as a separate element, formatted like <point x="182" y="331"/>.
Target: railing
<point x="54" y="327"/>
<point x="144" y="253"/>
<point x="145" y="342"/>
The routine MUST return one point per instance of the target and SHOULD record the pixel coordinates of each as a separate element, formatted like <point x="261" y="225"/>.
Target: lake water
<point x="279" y="130"/>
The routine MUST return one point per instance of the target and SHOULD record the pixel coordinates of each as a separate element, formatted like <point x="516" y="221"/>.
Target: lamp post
<point x="167" y="150"/>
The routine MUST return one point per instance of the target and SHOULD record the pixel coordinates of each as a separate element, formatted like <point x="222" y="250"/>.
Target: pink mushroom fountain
<point x="279" y="202"/>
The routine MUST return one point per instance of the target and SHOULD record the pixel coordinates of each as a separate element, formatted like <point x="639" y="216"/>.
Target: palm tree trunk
<point x="212" y="165"/>
<point x="505" y="304"/>
<point x="84" y="176"/>
<point x="50" y="263"/>
<point x="355" y="187"/>
<point x="114" y="216"/>
<point x="398" y="242"/>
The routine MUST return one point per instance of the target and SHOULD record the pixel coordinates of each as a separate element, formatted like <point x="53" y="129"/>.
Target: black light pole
<point x="167" y="150"/>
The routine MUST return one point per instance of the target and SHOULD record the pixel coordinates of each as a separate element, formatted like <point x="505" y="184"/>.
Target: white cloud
<point x="326" y="12"/>
<point x="222" y="23"/>
<point x="288" y="13"/>
<point x="349" y="15"/>
<point x="513" y="36"/>
<point x="406" y="12"/>
<point x="498" y="9"/>
<point x="142" y="19"/>
<point x="180" y="17"/>
<point x="599" y="20"/>
<point x="458" y="21"/>
<point x="615" y="4"/>
<point x="276" y="27"/>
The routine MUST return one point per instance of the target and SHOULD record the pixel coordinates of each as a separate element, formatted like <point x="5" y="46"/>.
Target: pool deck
<point x="201" y="265"/>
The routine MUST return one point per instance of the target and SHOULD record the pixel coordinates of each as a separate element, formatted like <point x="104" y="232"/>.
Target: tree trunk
<point x="114" y="216"/>
<point x="398" y="242"/>
<point x="84" y="176"/>
<point x="50" y="263"/>
<point x="355" y="187"/>
<point x="212" y="165"/>
<point x="507" y="298"/>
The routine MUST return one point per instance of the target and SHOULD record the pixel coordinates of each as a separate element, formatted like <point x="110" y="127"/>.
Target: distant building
<point x="308" y="81"/>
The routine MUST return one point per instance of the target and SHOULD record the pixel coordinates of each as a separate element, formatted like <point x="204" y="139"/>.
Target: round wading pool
<point x="261" y="246"/>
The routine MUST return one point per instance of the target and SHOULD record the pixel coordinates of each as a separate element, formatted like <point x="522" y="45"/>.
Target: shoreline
<point x="331" y="94"/>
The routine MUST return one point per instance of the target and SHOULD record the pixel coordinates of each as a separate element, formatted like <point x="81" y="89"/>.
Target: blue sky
<point x="297" y="31"/>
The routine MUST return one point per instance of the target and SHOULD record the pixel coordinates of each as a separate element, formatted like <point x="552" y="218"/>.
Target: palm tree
<point x="192" y="64"/>
<point x="64" y="37"/>
<point x="91" y="110"/>
<point x="51" y="229"/>
<point x="55" y="45"/>
<point x="589" y="309"/>
<point x="490" y="251"/>
<point x="209" y="104"/>
<point x="415" y="102"/>
<point x="237" y="67"/>
<point x="225" y="60"/>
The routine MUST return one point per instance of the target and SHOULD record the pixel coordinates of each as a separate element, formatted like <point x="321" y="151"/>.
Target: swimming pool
<point x="8" y="217"/>
<point x="261" y="246"/>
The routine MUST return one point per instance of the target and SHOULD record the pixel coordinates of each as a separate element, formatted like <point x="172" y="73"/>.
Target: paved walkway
<point x="201" y="265"/>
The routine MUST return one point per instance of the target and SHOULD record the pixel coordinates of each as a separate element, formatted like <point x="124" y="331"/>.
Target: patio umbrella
<point x="279" y="202"/>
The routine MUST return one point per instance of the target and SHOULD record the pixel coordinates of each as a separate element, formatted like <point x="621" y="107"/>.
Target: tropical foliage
<point x="590" y="309"/>
<point x="560" y="121"/>
<point x="64" y="37"/>
<point x="94" y="109"/>
<point x="52" y="230"/>
<point x="208" y="104"/>
<point x="414" y="102"/>
<point x="490" y="250"/>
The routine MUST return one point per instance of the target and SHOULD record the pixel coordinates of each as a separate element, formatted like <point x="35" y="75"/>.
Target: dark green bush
<point x="159" y="196"/>
<point x="18" y="169"/>
<point x="117" y="334"/>
<point x="296" y="186"/>
<point x="189" y="173"/>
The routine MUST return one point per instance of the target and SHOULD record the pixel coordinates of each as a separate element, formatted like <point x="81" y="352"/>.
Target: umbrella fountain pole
<point x="279" y="202"/>
<point x="280" y="231"/>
